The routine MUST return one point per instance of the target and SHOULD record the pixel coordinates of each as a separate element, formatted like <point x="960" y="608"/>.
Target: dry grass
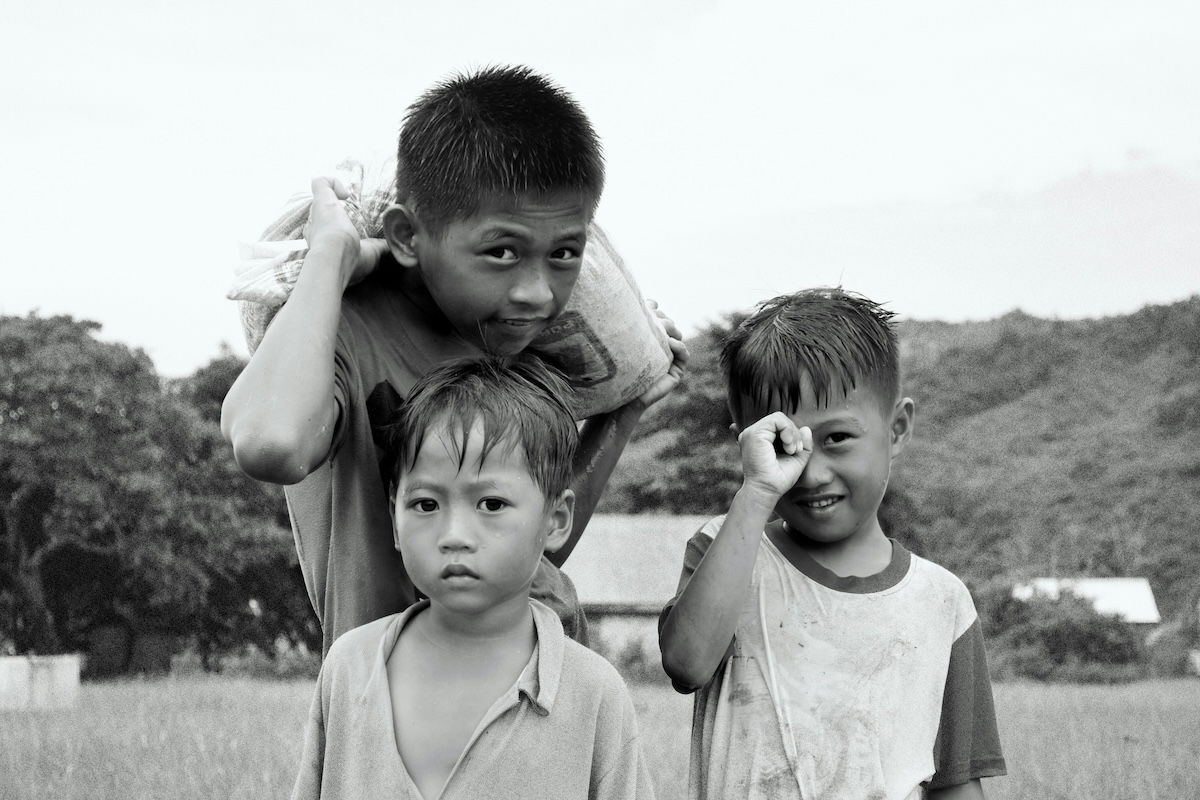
<point x="231" y="738"/>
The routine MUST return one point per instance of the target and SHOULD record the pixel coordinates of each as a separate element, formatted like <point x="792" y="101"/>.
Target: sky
<point x="954" y="159"/>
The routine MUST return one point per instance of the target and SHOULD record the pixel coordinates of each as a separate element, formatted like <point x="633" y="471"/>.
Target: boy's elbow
<point x="271" y="457"/>
<point x="684" y="672"/>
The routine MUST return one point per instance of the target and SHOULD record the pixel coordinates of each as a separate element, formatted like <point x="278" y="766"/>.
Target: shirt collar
<point x="540" y="678"/>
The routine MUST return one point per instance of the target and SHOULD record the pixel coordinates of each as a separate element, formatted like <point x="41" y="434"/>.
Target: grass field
<point x="238" y="738"/>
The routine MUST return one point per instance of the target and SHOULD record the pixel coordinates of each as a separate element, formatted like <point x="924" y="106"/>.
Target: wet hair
<point x="519" y="402"/>
<point x="499" y="130"/>
<point x="839" y="339"/>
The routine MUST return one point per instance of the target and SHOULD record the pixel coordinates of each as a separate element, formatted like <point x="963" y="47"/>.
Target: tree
<point x="700" y="466"/>
<point x="76" y="464"/>
<point x="122" y="504"/>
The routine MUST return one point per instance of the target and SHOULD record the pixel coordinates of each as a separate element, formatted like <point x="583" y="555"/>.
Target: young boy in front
<point x="498" y="175"/>
<point x="828" y="662"/>
<point x="475" y="692"/>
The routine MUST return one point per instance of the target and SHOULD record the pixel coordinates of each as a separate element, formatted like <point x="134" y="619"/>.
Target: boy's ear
<point x="392" y="516"/>
<point x="400" y="231"/>
<point x="562" y="515"/>
<point x="903" y="417"/>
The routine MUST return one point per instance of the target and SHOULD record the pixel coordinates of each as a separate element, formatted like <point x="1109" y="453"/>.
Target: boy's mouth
<point x="458" y="571"/>
<point x="522" y="322"/>
<point x="818" y="502"/>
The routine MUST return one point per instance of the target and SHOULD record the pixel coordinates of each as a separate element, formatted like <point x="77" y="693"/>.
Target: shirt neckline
<point x="881" y="581"/>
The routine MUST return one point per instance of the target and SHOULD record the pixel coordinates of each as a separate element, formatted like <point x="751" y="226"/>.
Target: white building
<point x="1129" y="599"/>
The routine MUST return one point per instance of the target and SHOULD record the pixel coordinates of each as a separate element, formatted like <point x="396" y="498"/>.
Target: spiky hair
<point x="499" y="130"/>
<point x="839" y="339"/>
<point x="518" y="401"/>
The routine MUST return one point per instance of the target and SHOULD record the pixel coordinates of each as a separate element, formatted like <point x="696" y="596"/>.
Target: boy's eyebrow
<point x="501" y="232"/>
<point x="419" y="486"/>
<point x="842" y="419"/>
<point x="497" y="232"/>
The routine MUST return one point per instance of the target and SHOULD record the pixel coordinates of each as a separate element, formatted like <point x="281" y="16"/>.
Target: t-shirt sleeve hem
<point x="961" y="773"/>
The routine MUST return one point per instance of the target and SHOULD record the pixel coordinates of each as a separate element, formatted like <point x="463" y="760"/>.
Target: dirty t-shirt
<point x="844" y="687"/>
<point x="339" y="513"/>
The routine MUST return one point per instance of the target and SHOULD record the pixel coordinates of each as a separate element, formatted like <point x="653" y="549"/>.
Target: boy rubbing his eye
<point x="828" y="662"/>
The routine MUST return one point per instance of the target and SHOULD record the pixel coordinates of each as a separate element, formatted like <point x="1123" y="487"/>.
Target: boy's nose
<point x="455" y="537"/>
<point x="816" y="472"/>
<point x="532" y="287"/>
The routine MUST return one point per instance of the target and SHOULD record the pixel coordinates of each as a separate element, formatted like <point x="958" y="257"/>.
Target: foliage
<point x="121" y="503"/>
<point x="697" y="463"/>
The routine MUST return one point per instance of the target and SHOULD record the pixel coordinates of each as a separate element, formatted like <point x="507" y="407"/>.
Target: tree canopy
<point x="120" y="501"/>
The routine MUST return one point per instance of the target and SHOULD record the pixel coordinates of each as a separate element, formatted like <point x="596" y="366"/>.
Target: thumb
<point x="323" y="186"/>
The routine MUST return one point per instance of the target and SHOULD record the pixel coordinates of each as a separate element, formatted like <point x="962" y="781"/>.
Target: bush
<point x="1061" y="640"/>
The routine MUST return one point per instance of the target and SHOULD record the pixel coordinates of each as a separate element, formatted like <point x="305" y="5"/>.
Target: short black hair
<point x="518" y="400"/>
<point x="839" y="339"/>
<point x="499" y="130"/>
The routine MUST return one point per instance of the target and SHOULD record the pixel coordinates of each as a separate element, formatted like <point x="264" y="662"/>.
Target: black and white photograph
<point x="692" y="401"/>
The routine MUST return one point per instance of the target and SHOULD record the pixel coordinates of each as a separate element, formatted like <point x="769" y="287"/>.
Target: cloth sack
<point x="606" y="341"/>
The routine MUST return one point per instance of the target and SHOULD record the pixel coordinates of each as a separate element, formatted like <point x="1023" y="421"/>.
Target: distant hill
<point x="1042" y="447"/>
<point x="1058" y="447"/>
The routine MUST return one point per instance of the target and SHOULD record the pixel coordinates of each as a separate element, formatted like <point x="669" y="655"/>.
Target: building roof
<point x="631" y="560"/>
<point x="1130" y="599"/>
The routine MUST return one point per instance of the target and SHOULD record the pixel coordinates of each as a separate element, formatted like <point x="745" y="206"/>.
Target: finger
<point x="322" y="189"/>
<point x="679" y="352"/>
<point x="326" y="189"/>
<point x="806" y="442"/>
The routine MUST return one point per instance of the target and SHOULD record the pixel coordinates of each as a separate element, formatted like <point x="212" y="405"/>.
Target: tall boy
<point x="828" y="661"/>
<point x="475" y="692"/>
<point x="498" y="175"/>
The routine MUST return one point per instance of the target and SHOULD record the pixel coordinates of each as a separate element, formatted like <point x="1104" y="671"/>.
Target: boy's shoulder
<point x="590" y="669"/>
<point x="586" y="682"/>
<point x="936" y="573"/>
<point x="358" y="646"/>
<point x="944" y="588"/>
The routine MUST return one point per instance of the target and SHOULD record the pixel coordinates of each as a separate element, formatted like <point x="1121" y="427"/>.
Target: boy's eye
<point x="492" y="504"/>
<point x="838" y="437"/>
<point x="566" y="254"/>
<point x="423" y="505"/>
<point x="502" y="253"/>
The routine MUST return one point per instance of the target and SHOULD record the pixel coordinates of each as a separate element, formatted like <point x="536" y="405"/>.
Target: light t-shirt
<point x="844" y="687"/>
<point x="566" y="729"/>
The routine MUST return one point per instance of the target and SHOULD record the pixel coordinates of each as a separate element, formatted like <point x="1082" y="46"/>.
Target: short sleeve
<point x="693" y="554"/>
<point x="620" y="769"/>
<point x="312" y="761"/>
<point x="345" y="378"/>
<point x="968" y="741"/>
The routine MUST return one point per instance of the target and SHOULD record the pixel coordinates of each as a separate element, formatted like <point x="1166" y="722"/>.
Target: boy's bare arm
<point x="697" y="631"/>
<point x="604" y="436"/>
<point x="280" y="413"/>
<point x="971" y="790"/>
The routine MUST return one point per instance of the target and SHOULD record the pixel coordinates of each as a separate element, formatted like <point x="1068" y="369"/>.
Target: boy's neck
<point x="499" y="626"/>
<point x="864" y="554"/>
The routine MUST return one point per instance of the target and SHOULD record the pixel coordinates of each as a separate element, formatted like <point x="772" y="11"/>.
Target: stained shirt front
<point x="566" y="729"/>
<point x="844" y="688"/>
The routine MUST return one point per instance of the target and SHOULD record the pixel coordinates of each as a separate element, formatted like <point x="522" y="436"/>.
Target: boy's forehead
<point x="755" y="405"/>
<point x="565" y="208"/>
<point x="453" y="442"/>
